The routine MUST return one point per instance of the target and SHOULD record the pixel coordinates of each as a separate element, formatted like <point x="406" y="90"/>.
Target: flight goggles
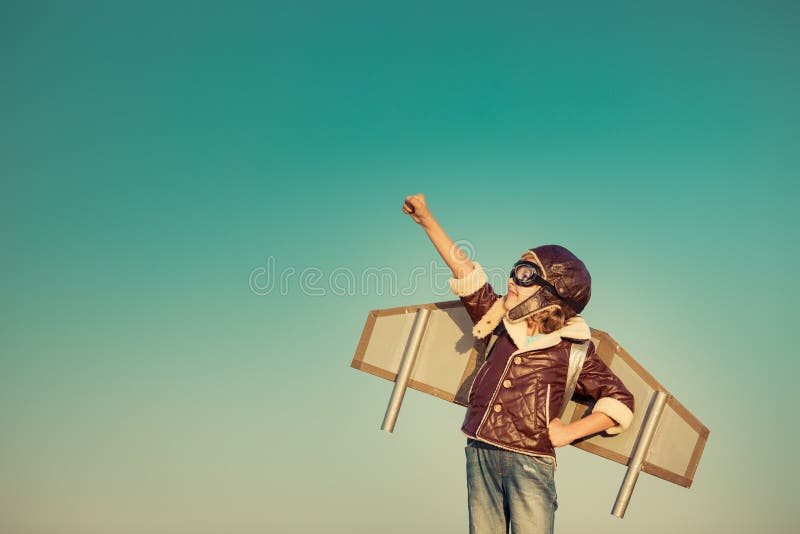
<point x="526" y="274"/>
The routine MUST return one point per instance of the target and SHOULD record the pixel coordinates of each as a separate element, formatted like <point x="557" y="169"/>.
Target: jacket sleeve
<point x="475" y="292"/>
<point x="612" y="397"/>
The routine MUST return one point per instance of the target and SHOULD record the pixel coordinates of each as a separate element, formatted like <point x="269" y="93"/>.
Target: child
<point x="512" y="433"/>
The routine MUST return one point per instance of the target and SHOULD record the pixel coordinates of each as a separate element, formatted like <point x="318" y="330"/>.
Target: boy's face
<point x="517" y="294"/>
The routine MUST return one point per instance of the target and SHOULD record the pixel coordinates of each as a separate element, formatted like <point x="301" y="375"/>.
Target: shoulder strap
<point x="577" y="354"/>
<point x="501" y="328"/>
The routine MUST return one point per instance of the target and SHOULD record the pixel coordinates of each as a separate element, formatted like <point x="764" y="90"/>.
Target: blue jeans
<point x="509" y="490"/>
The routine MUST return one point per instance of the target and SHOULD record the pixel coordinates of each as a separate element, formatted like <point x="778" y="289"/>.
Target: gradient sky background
<point x="154" y="154"/>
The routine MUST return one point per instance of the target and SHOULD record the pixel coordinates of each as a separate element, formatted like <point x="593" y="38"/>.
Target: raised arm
<point x="453" y="255"/>
<point x="469" y="282"/>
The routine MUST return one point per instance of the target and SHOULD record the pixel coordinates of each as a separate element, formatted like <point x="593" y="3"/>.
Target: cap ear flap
<point x="540" y="300"/>
<point x="525" y="308"/>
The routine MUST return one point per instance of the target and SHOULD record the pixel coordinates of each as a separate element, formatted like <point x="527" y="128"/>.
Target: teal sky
<point x="153" y="155"/>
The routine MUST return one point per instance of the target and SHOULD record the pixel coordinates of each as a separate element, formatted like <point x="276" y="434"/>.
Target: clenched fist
<point x="416" y="207"/>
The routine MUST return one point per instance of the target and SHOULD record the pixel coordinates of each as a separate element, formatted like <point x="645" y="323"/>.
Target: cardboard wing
<point x="432" y="345"/>
<point x="448" y="357"/>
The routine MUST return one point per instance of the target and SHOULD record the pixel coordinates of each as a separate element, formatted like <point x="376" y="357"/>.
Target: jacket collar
<point x="575" y="329"/>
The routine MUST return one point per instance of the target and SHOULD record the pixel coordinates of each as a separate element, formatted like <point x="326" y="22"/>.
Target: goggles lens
<point x="526" y="273"/>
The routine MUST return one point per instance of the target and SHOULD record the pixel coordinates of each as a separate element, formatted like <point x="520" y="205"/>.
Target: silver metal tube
<point x="640" y="452"/>
<point x="406" y="366"/>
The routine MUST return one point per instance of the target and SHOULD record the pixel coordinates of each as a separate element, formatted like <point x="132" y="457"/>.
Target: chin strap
<point x="544" y="298"/>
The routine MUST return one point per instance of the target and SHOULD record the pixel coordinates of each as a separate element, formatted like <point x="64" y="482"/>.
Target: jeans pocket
<point x="544" y="461"/>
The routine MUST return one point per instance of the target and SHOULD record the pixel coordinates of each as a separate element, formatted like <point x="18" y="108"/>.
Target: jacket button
<point x="517" y="360"/>
<point x="506" y="383"/>
<point x="497" y="408"/>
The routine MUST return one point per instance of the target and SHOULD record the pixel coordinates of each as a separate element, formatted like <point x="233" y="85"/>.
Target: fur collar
<point x="574" y="329"/>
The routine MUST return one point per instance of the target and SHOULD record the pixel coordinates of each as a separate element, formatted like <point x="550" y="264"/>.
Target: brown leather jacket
<point x="518" y="391"/>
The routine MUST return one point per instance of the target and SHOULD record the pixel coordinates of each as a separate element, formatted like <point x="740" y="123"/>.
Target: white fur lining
<point x="574" y="329"/>
<point x="617" y="411"/>
<point x="490" y="319"/>
<point x="468" y="285"/>
<point x="517" y="330"/>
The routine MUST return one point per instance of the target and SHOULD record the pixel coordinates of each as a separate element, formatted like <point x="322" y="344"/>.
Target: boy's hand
<point x="416" y="207"/>
<point x="559" y="433"/>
